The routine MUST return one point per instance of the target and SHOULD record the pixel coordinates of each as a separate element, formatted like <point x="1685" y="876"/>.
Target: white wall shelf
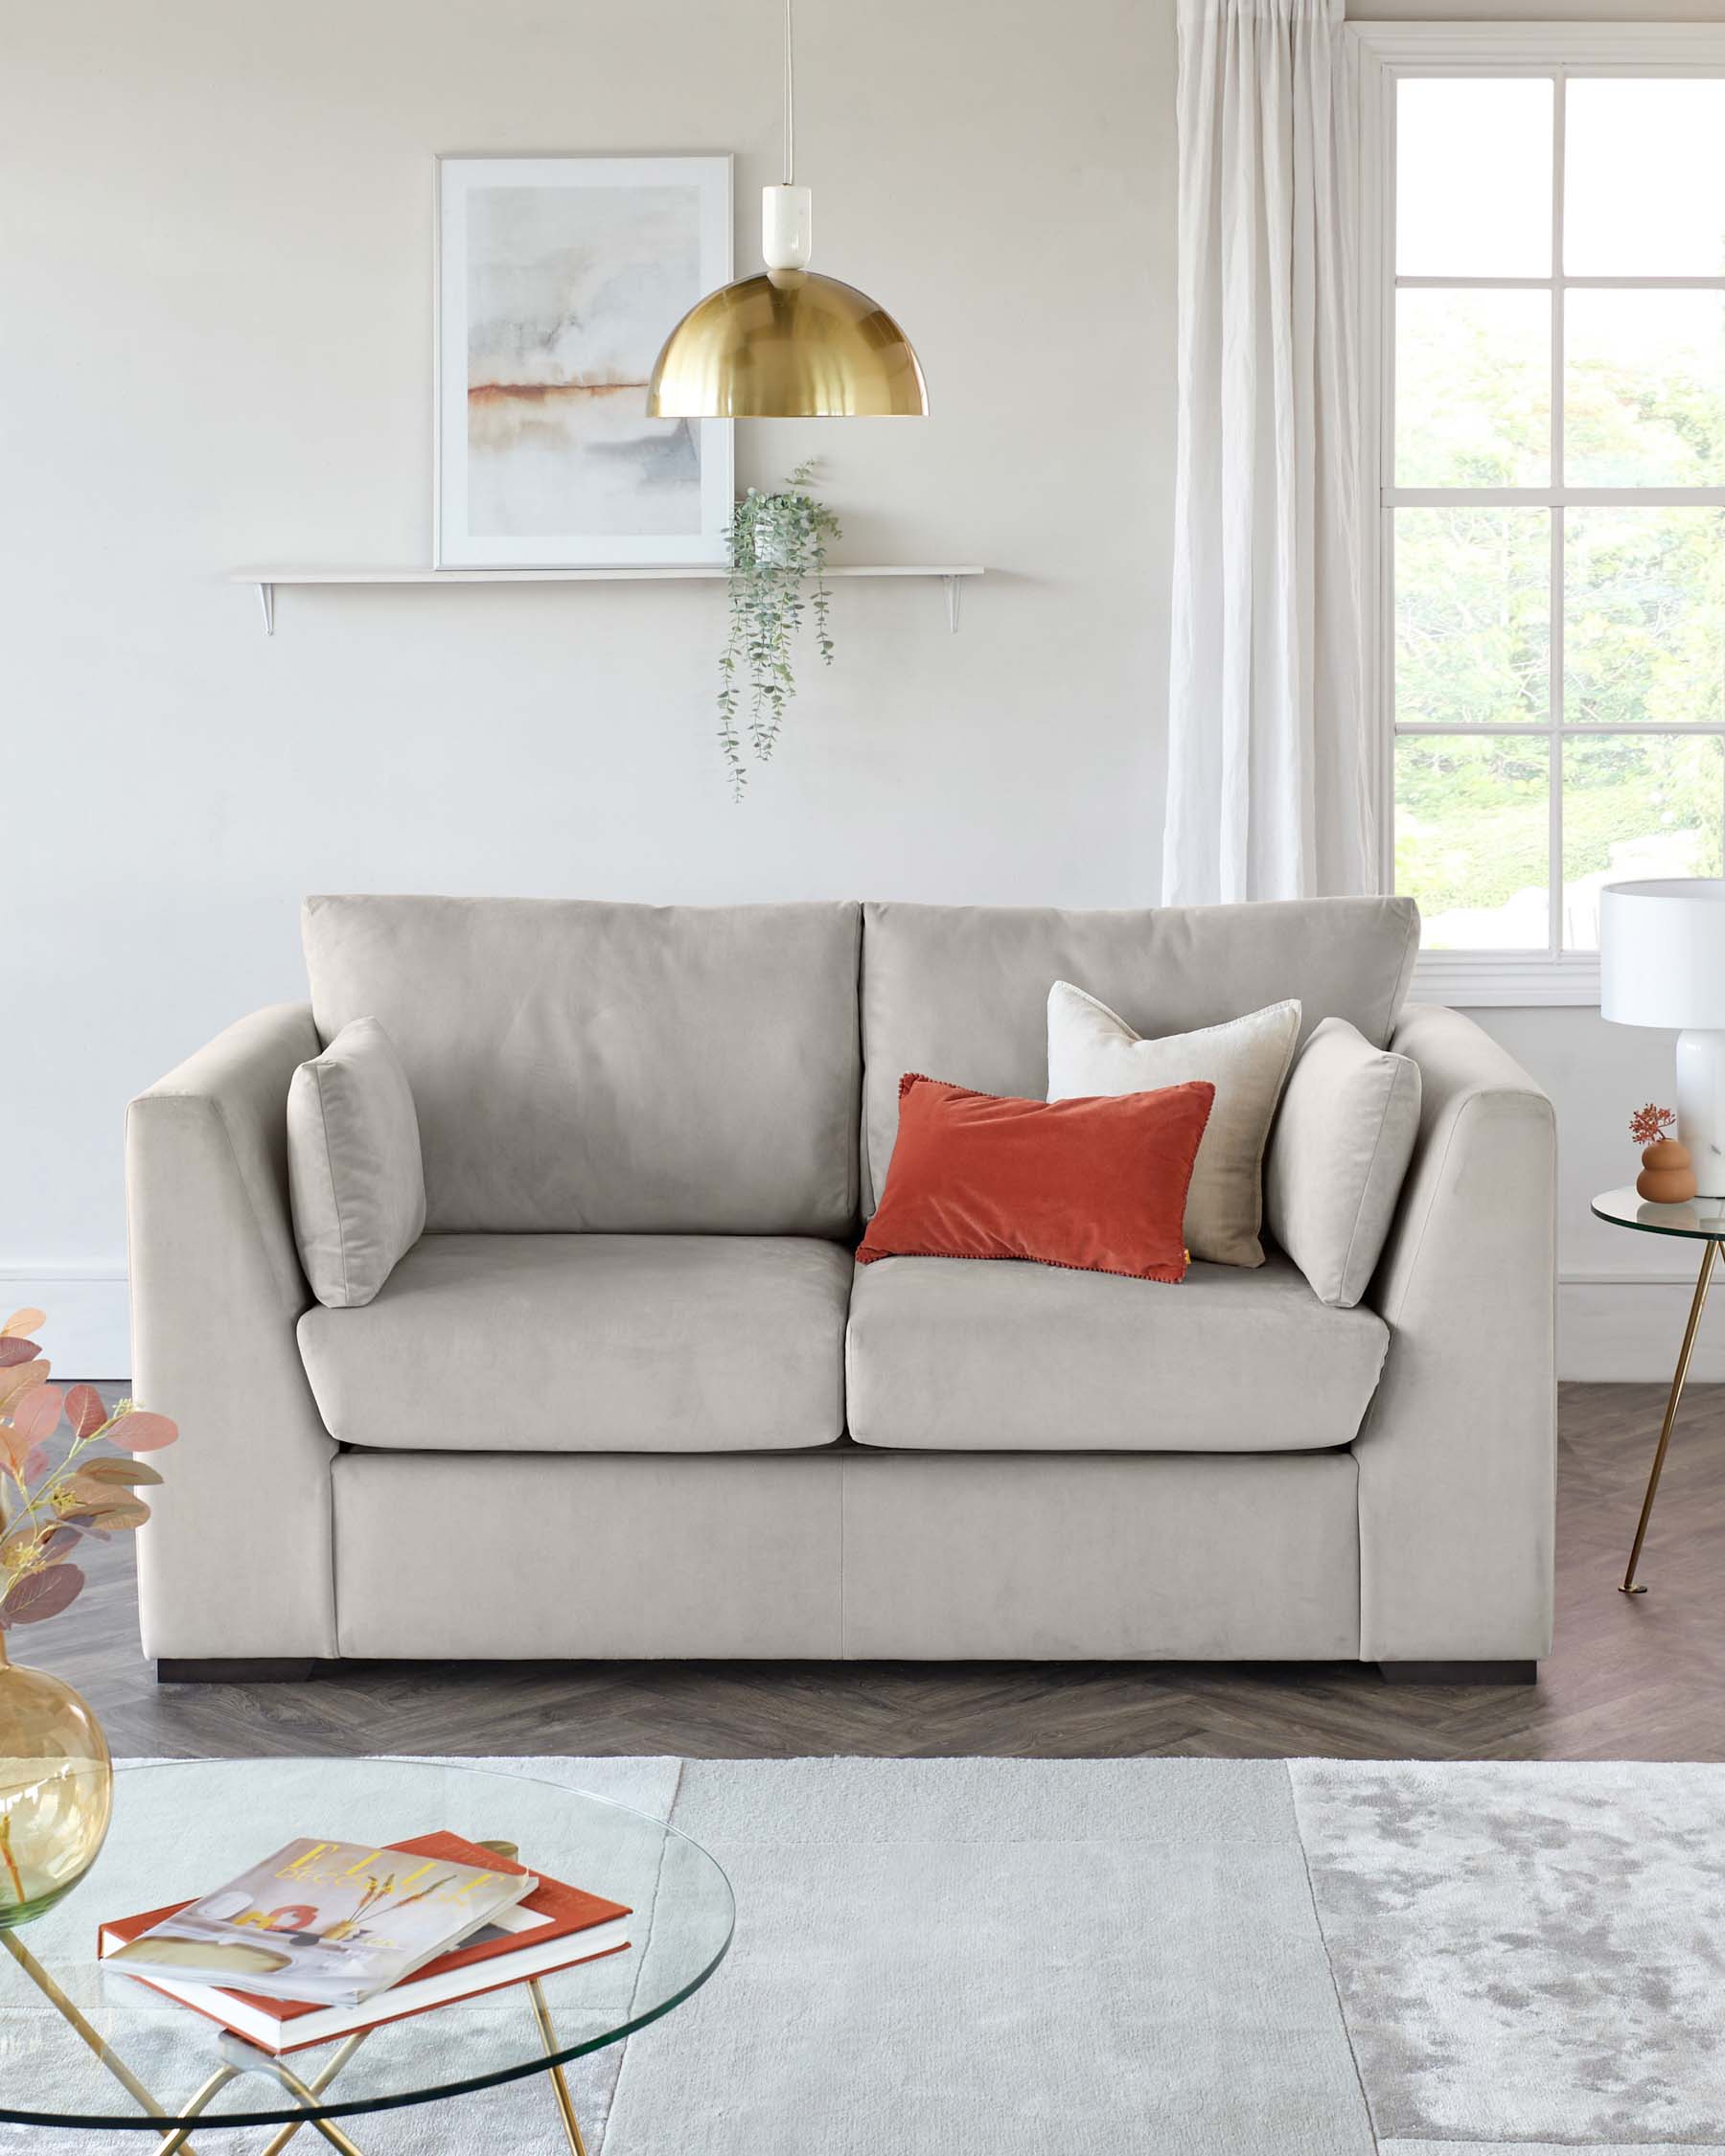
<point x="267" y="580"/>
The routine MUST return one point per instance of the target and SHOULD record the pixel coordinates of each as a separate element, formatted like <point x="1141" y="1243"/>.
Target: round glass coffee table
<point x="1701" y="1220"/>
<point x="84" y="2046"/>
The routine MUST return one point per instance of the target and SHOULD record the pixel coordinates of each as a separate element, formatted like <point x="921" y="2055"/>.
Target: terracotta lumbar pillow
<point x="1099" y="1185"/>
<point x="1092" y="1049"/>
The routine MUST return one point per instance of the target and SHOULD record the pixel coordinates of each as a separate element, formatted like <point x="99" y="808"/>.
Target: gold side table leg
<point x="248" y="2058"/>
<point x="181" y="2136"/>
<point x="339" y="2059"/>
<point x="117" y="2067"/>
<point x="1671" y="1415"/>
<point x="542" y="2014"/>
<point x="327" y="2127"/>
<point x="559" y="2088"/>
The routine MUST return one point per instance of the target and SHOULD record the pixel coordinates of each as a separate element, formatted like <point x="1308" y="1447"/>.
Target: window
<point x="1552" y="481"/>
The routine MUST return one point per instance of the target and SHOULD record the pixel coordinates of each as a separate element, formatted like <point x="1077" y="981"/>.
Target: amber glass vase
<point x="57" y="1790"/>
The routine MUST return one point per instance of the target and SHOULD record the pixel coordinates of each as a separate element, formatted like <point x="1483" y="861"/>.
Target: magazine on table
<point x="552" y="1927"/>
<point x="329" y="1924"/>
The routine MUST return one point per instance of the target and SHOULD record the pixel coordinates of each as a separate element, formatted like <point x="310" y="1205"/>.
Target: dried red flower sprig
<point x="1648" y="1125"/>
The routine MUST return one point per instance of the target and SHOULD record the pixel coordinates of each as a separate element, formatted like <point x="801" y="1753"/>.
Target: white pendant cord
<point x="790" y="103"/>
<point x="785" y="209"/>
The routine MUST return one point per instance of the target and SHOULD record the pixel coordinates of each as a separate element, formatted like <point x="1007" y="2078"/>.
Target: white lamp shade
<point x="1662" y="952"/>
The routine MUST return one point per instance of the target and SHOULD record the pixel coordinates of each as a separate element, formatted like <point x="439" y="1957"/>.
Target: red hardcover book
<point x="552" y="1928"/>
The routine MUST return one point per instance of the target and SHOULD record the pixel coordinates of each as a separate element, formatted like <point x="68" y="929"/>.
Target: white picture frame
<point x="557" y="281"/>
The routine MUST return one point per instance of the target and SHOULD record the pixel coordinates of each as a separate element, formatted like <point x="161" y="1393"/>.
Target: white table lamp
<point x="1661" y="962"/>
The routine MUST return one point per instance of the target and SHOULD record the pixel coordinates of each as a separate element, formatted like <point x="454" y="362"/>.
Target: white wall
<point x="217" y="268"/>
<point x="1536" y="10"/>
<point x="216" y="262"/>
<point x="1623" y="1296"/>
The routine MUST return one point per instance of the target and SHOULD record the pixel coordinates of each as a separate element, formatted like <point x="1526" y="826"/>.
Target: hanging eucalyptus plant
<point x="778" y="546"/>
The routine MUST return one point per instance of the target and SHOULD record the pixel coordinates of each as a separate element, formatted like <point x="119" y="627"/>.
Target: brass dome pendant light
<point x="790" y="344"/>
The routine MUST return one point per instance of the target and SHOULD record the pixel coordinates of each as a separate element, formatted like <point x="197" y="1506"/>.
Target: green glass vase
<point x="57" y="1790"/>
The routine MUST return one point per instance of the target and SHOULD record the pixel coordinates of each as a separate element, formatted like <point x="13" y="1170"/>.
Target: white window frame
<point x="1386" y="52"/>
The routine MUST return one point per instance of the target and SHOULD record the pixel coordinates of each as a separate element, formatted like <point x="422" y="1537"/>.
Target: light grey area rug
<point x="1189" y="1957"/>
<point x="1526" y="1954"/>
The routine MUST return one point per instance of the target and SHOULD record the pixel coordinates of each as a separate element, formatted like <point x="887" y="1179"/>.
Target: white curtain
<point x="1272" y="767"/>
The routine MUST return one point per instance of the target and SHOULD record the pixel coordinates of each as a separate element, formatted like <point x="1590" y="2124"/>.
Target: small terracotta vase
<point x="1667" y="1178"/>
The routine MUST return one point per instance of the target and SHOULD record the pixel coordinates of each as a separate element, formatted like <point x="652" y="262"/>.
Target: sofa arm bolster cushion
<point x="1348" y="1121"/>
<point x="353" y="1165"/>
<point x="237" y="1559"/>
<point x="1458" y="1449"/>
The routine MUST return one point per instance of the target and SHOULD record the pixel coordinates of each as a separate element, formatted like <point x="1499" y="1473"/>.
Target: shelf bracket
<point x="266" y="600"/>
<point x="954" y="586"/>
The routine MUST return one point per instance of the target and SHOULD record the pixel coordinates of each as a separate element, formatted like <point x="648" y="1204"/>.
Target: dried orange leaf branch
<point x="62" y="1499"/>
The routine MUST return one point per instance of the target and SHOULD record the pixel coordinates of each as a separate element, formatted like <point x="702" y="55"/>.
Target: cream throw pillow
<point x="1093" y="1050"/>
<point x="1341" y="1146"/>
<point x="353" y="1167"/>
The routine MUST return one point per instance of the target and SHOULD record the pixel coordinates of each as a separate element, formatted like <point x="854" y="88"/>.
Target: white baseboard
<point x="86" y="1335"/>
<point x="1619" y="1327"/>
<point x="1611" y="1327"/>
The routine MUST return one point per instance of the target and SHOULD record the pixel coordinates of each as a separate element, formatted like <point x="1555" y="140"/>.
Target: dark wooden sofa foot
<point x="1460" y="1672"/>
<point x="171" y="1670"/>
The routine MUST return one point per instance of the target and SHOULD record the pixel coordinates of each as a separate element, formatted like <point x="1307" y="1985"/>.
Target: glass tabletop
<point x="1702" y="1219"/>
<point x="180" y="1830"/>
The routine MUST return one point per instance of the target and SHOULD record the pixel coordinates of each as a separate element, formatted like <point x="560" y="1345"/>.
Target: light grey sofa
<point x="629" y="1395"/>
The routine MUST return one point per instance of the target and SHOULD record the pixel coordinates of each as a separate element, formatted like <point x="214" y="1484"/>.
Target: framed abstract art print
<point x="558" y="280"/>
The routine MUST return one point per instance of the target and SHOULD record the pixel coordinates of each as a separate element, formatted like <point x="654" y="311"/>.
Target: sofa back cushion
<point x="586" y="1066"/>
<point x="961" y="992"/>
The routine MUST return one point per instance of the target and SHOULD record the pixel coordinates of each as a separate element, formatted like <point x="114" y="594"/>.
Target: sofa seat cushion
<point x="949" y="1357"/>
<point x="590" y="1344"/>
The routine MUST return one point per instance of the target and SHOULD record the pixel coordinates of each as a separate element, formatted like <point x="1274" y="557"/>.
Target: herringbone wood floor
<point x="1640" y="1678"/>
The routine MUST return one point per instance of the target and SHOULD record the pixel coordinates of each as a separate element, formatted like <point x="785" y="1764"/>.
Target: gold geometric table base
<point x="1696" y="1306"/>
<point x="241" y="2057"/>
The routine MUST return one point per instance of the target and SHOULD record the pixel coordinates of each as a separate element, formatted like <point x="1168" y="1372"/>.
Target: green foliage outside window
<point x="1644" y="619"/>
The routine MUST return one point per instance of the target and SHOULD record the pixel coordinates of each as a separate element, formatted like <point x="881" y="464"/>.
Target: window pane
<point x="1644" y="616"/>
<point x="1473" y="177"/>
<point x="1472" y="839"/>
<point x="1644" y="389"/>
<point x="1636" y="805"/>
<point x="1643" y="185"/>
<point x="1473" y="389"/>
<point x="1473" y="605"/>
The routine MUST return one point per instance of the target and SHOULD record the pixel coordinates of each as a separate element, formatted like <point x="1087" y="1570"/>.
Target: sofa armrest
<point x="238" y="1559"/>
<point x="1457" y="1454"/>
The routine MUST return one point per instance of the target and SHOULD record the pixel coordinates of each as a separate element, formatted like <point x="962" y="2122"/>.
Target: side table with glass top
<point x="114" y="2053"/>
<point x="1701" y="1220"/>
